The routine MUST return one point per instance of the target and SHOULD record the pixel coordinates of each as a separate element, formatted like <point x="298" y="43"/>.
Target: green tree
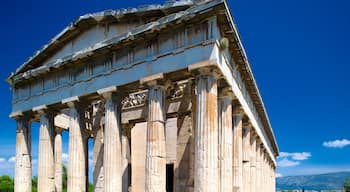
<point x="35" y="184"/>
<point x="64" y="179"/>
<point x="6" y="184"/>
<point x="347" y="185"/>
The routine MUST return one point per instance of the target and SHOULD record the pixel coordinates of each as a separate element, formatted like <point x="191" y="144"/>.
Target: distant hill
<point x="327" y="181"/>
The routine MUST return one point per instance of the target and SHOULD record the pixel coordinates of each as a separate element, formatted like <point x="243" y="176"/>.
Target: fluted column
<point x="246" y="158"/>
<point x="237" y="150"/>
<point x="258" y="166"/>
<point x="125" y="161"/>
<point x="273" y="178"/>
<point x="98" y="176"/>
<point x="76" y="149"/>
<point x="46" y="162"/>
<point x="206" y="134"/>
<point x="58" y="160"/>
<point x="112" y="141"/>
<point x="226" y="141"/>
<point x="265" y="179"/>
<point x="252" y="161"/>
<point x="23" y="169"/>
<point x="155" y="141"/>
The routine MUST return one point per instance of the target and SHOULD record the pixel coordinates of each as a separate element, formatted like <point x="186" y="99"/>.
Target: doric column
<point x="112" y="141"/>
<point x="76" y="149"/>
<point x="225" y="141"/>
<point x="258" y="166"/>
<point x="23" y="169"/>
<point x="98" y="176"/>
<point x="252" y="161"/>
<point x="273" y="178"/>
<point x="265" y="171"/>
<point x="155" y="140"/>
<point x="58" y="160"/>
<point x="262" y="163"/>
<point x="125" y="160"/>
<point x="237" y="149"/>
<point x="206" y="133"/>
<point x="46" y="162"/>
<point x="246" y="157"/>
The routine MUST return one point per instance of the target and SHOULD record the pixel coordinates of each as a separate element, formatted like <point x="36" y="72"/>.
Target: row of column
<point x="228" y="155"/>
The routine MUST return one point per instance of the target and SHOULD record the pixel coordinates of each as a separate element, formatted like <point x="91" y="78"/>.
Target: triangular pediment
<point x="90" y="29"/>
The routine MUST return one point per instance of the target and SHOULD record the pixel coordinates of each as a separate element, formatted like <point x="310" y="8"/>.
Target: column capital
<point x="247" y="124"/>
<point x="107" y="92"/>
<point x="71" y="102"/>
<point x="258" y="141"/>
<point x="20" y="116"/>
<point x="155" y="81"/>
<point x="42" y="110"/>
<point x="58" y="130"/>
<point x="238" y="110"/>
<point x="227" y="93"/>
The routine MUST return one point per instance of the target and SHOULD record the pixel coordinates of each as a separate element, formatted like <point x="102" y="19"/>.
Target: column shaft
<point x="237" y="153"/>
<point x="125" y="162"/>
<point x="206" y="135"/>
<point x="76" y="151"/>
<point x="46" y="162"/>
<point x="155" y="142"/>
<point x="58" y="161"/>
<point x="252" y="162"/>
<point x="23" y="169"/>
<point x="246" y="160"/>
<point x="225" y="139"/>
<point x="98" y="176"/>
<point x="112" y="145"/>
<point x="258" y="167"/>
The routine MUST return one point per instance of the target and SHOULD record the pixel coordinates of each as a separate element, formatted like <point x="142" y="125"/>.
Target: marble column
<point x="23" y="169"/>
<point x="155" y="140"/>
<point x="266" y="189"/>
<point x="125" y="161"/>
<point x="58" y="160"/>
<point x="206" y="134"/>
<point x="112" y="143"/>
<point x="252" y="161"/>
<point x="225" y="141"/>
<point x="98" y="176"/>
<point x="258" y="166"/>
<point x="237" y="149"/>
<point x="246" y="158"/>
<point x="46" y="161"/>
<point x="76" y="149"/>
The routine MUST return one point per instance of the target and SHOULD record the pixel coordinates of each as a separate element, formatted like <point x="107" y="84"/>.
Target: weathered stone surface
<point x="237" y="152"/>
<point x="155" y="145"/>
<point x="184" y="151"/>
<point x="125" y="162"/>
<point x="98" y="175"/>
<point x="246" y="160"/>
<point x="206" y="135"/>
<point x="225" y="144"/>
<point x="138" y="157"/>
<point x="76" y="152"/>
<point x="112" y="145"/>
<point x="58" y="160"/>
<point x="46" y="161"/>
<point x="23" y="169"/>
<point x="252" y="162"/>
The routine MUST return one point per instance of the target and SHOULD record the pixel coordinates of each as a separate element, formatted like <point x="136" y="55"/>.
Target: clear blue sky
<point x="299" y="52"/>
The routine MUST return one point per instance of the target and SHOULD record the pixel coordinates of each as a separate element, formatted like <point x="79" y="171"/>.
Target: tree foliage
<point x="6" y="184"/>
<point x="347" y="185"/>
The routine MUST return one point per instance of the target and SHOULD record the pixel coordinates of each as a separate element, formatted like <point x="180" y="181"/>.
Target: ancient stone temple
<point x="165" y="92"/>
